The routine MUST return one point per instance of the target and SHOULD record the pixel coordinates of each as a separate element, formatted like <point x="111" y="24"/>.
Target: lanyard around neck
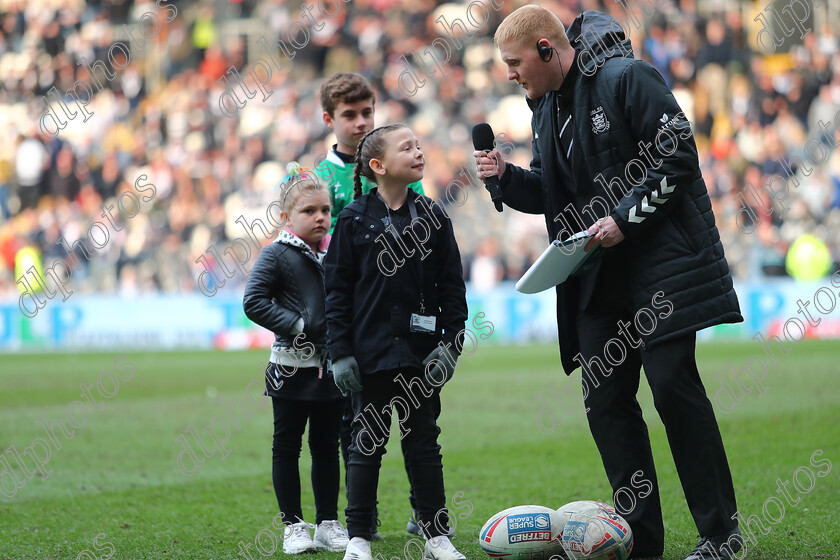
<point x="412" y="209"/>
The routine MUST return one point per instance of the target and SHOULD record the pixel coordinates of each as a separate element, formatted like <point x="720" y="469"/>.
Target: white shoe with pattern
<point x="330" y="535"/>
<point x="296" y="539"/>
<point x="358" y="549"/>
<point x="441" y="548"/>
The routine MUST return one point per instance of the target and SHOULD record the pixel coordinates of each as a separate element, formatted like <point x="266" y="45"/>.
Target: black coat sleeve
<point x="266" y="282"/>
<point x="339" y="278"/>
<point x="452" y="292"/>
<point x="522" y="188"/>
<point x="661" y="127"/>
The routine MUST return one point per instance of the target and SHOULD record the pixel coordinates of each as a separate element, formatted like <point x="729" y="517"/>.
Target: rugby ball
<point x="597" y="533"/>
<point x="584" y="506"/>
<point x="523" y="533"/>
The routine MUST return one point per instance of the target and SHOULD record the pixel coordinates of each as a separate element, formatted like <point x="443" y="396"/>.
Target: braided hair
<point x="371" y="146"/>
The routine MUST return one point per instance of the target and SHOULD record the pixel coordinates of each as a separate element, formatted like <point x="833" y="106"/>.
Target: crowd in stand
<point x="158" y="115"/>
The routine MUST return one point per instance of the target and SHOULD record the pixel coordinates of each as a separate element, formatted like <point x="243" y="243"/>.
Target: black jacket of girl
<point x="287" y="284"/>
<point x="376" y="281"/>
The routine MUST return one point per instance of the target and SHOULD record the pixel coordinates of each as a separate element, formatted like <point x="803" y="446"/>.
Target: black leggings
<point x="290" y="418"/>
<point x="346" y="436"/>
<point x="373" y="407"/>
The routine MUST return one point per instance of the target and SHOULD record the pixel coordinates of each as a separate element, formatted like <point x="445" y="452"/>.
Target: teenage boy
<point x="348" y="104"/>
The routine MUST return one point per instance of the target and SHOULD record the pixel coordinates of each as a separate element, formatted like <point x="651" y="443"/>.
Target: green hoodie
<point x="339" y="176"/>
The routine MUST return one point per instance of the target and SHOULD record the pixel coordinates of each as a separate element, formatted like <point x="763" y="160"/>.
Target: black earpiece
<point x="546" y="52"/>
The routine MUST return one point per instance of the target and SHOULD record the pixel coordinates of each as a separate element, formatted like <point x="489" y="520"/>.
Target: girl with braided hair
<point x="396" y="309"/>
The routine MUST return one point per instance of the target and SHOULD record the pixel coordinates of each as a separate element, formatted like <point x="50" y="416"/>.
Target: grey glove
<point x="439" y="366"/>
<point x="347" y="375"/>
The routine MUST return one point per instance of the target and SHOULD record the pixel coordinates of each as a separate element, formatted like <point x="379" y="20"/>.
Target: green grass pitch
<point x="114" y="488"/>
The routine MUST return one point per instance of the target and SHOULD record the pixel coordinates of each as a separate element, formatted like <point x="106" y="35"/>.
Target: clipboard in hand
<point x="560" y="261"/>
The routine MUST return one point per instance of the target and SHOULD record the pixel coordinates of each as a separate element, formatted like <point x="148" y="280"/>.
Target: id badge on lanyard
<point x="422" y="323"/>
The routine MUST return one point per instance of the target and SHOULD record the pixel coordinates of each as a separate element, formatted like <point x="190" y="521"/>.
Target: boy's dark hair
<point x="371" y="146"/>
<point x="344" y="87"/>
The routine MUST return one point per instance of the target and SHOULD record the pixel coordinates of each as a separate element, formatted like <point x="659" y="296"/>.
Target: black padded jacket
<point x="623" y="113"/>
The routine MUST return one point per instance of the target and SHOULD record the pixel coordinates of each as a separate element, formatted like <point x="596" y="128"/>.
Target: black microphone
<point x="483" y="140"/>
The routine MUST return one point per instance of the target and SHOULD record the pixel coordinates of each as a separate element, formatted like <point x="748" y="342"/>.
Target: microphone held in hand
<point x="483" y="140"/>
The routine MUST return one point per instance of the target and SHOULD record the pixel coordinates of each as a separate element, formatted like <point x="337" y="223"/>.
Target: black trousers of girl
<point x="417" y="414"/>
<point x="302" y="399"/>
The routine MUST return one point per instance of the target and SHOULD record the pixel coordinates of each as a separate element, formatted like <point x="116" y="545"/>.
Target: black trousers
<point x="290" y="417"/>
<point x="347" y="434"/>
<point x="417" y="414"/>
<point x="621" y="435"/>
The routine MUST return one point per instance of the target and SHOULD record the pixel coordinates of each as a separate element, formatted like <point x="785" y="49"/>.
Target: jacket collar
<point x="288" y="237"/>
<point x="334" y="158"/>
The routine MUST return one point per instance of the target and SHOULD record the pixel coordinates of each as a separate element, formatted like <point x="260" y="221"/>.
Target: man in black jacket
<point x="613" y="153"/>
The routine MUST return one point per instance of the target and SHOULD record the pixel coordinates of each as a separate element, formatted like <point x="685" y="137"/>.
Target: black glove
<point x="439" y="366"/>
<point x="347" y="375"/>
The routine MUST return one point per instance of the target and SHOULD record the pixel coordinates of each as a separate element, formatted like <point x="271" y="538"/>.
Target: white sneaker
<point x="296" y="539"/>
<point x="331" y="536"/>
<point x="441" y="548"/>
<point x="358" y="549"/>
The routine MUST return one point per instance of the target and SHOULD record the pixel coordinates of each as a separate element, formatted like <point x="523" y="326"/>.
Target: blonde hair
<point x="529" y="24"/>
<point x="298" y="180"/>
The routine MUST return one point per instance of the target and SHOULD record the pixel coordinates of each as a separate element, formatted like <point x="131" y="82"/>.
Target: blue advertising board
<point x="195" y="321"/>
